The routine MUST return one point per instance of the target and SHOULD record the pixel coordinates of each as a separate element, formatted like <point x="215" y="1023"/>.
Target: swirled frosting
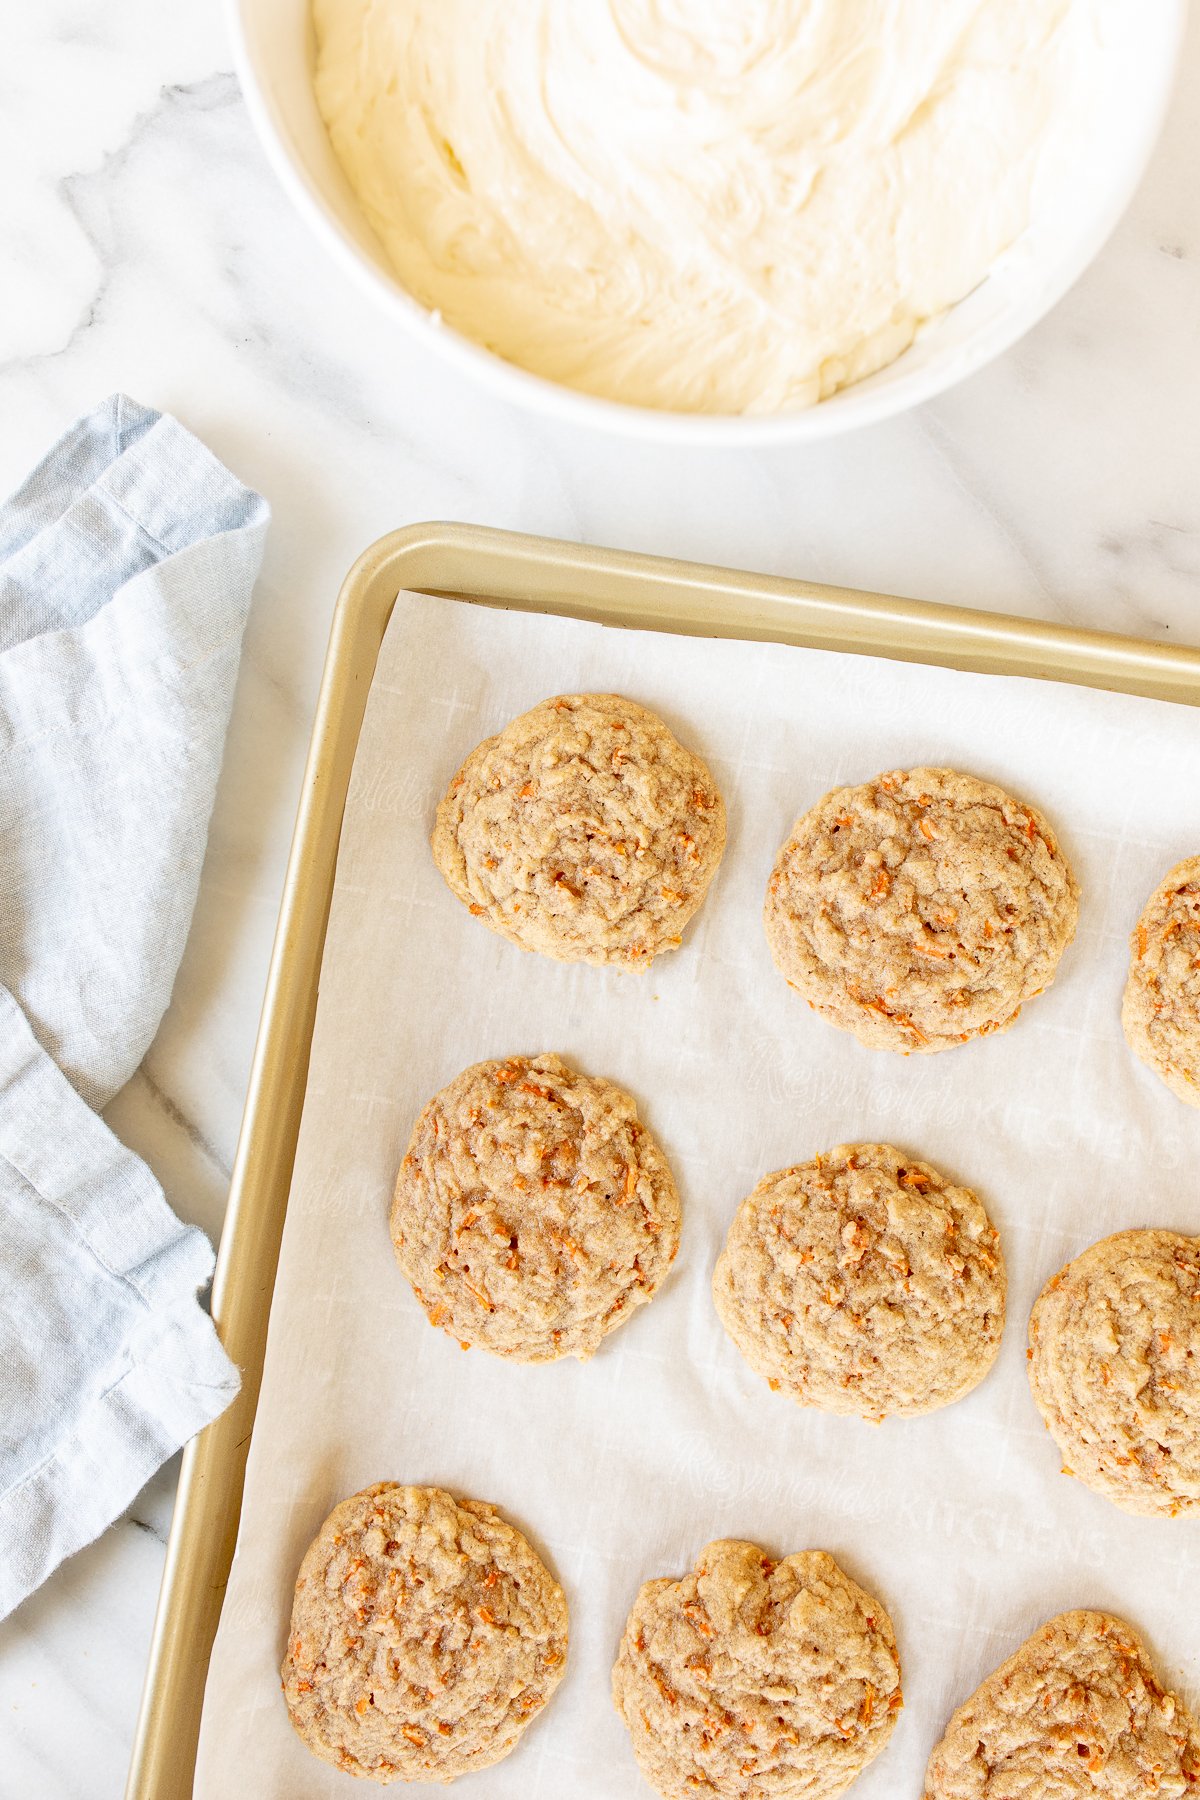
<point x="702" y="205"/>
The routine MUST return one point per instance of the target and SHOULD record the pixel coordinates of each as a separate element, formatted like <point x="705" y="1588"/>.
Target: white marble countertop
<point x="147" y="247"/>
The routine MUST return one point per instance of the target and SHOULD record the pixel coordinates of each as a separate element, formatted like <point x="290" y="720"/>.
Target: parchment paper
<point x="623" y="1468"/>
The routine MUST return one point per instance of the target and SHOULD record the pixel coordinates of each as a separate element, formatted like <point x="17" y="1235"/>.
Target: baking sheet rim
<point x="490" y="567"/>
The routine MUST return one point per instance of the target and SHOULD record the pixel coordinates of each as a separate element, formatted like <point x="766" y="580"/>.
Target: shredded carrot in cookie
<point x="915" y="1178"/>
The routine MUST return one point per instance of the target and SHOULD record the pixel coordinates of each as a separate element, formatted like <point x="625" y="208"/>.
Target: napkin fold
<point x="127" y="561"/>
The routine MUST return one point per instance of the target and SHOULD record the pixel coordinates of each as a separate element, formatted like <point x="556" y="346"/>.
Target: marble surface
<point x="146" y="246"/>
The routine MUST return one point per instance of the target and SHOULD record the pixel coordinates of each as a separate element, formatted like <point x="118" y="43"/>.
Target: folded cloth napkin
<point x="126" y="565"/>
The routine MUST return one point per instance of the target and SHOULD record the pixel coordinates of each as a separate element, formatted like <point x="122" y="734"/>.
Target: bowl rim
<point x="849" y="409"/>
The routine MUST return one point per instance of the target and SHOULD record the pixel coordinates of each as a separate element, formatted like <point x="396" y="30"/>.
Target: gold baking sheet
<point x="490" y="568"/>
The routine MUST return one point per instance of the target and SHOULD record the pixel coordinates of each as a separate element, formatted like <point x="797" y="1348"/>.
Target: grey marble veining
<point x="147" y="246"/>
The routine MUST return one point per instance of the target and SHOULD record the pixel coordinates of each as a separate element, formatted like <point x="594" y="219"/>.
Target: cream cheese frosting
<point x="702" y="205"/>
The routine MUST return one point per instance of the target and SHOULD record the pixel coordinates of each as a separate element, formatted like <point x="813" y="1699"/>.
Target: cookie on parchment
<point x="921" y="909"/>
<point x="1161" y="1008"/>
<point x="585" y="830"/>
<point x="1114" y="1364"/>
<point x="751" y="1678"/>
<point x="533" y="1211"/>
<point x="863" y="1282"/>
<point x="426" y="1635"/>
<point x="1078" y="1710"/>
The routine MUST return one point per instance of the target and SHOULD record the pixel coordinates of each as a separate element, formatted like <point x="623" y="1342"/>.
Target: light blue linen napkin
<point x="126" y="565"/>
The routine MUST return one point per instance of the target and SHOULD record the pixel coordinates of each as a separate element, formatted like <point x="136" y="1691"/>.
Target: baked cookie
<point x="1114" y="1364"/>
<point x="426" y="1635"/>
<point x="863" y="1282"/>
<point x="751" y="1678"/>
<point x="585" y="830"/>
<point x="921" y="909"/>
<point x="533" y="1212"/>
<point x="1161" y="1008"/>
<point x="1077" y="1710"/>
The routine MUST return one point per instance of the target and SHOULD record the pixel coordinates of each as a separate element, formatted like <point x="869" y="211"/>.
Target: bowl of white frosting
<point x="712" y="220"/>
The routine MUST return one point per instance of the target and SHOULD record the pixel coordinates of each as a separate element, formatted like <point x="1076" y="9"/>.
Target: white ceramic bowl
<point x="1076" y="206"/>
